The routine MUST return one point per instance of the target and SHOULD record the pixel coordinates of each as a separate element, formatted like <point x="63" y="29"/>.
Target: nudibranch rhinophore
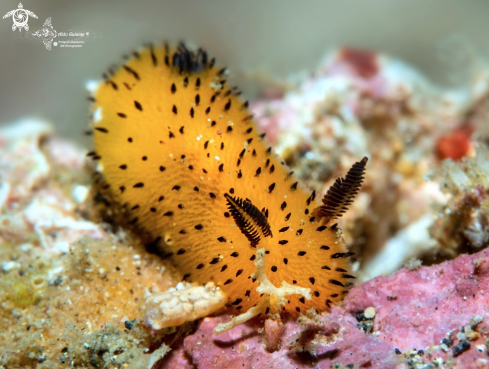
<point x="182" y="154"/>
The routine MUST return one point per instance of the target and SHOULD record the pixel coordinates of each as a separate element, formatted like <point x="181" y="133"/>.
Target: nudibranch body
<point x="179" y="149"/>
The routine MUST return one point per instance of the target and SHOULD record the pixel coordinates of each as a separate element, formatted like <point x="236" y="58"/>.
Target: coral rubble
<point x="463" y="223"/>
<point x="183" y="303"/>
<point x="362" y="103"/>
<point x="71" y="293"/>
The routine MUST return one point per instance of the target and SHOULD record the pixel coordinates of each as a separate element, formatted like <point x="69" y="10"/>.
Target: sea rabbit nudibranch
<point x="180" y="150"/>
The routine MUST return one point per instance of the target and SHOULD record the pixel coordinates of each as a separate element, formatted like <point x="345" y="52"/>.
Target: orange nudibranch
<point x="181" y="151"/>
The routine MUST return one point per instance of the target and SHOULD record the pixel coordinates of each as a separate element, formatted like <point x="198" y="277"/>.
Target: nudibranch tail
<point x="180" y="151"/>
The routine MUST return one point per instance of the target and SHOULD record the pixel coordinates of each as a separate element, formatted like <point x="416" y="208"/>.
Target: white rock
<point x="80" y="193"/>
<point x="10" y="265"/>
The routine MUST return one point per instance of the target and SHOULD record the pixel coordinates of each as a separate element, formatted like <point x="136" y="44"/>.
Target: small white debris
<point x="198" y="138"/>
<point x="180" y="286"/>
<point x="10" y="265"/>
<point x="80" y="193"/>
<point x="217" y="158"/>
<point x="4" y="192"/>
<point x="56" y="270"/>
<point x="97" y="115"/>
<point x="476" y="319"/>
<point x="92" y="86"/>
<point x="413" y="264"/>
<point x="216" y="86"/>
<point x="62" y="246"/>
<point x="25" y="247"/>
<point x="369" y="313"/>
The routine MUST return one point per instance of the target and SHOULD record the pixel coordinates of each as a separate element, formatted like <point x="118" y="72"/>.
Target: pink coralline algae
<point x="243" y="347"/>
<point x="426" y="318"/>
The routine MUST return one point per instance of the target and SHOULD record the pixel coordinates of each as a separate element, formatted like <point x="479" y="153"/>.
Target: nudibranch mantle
<point x="179" y="150"/>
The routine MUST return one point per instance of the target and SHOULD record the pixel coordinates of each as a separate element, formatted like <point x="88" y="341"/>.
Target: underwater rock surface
<point x="430" y="316"/>
<point x="73" y="288"/>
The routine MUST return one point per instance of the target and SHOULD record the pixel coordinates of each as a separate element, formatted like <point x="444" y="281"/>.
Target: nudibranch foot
<point x="240" y="319"/>
<point x="274" y="303"/>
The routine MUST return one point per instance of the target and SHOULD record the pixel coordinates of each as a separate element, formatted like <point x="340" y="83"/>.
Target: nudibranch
<point x="179" y="150"/>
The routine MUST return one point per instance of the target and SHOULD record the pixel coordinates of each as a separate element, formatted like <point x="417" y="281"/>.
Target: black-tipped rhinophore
<point x="249" y="219"/>
<point x="341" y="194"/>
<point x="188" y="61"/>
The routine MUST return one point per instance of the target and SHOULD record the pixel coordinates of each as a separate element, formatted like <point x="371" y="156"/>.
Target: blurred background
<point x="274" y="37"/>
